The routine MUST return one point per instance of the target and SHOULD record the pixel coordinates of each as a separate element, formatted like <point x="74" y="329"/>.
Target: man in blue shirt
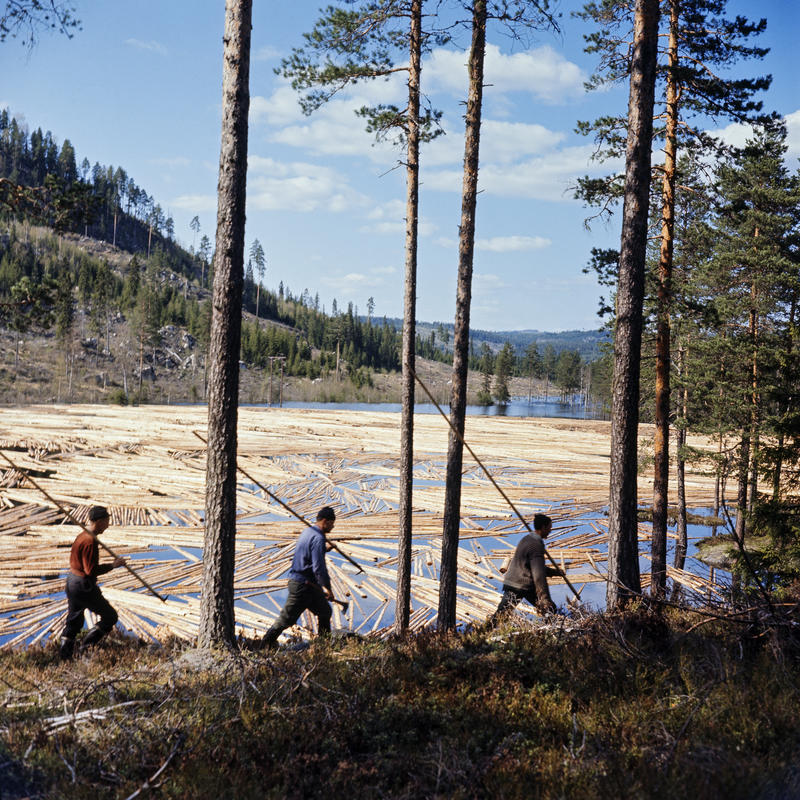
<point x="309" y="582"/>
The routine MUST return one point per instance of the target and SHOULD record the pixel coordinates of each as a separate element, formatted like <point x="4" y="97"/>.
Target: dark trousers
<point x="302" y="597"/>
<point x="83" y="594"/>
<point x="510" y="599"/>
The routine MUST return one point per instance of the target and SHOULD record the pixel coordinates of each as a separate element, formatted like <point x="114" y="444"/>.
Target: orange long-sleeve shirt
<point x="84" y="557"/>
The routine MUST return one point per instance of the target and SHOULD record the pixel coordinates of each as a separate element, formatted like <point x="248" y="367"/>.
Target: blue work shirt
<point x="308" y="564"/>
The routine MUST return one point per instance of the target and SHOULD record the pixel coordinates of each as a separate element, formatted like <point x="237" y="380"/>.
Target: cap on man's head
<point x="98" y="512"/>
<point x="541" y="521"/>
<point x="326" y="512"/>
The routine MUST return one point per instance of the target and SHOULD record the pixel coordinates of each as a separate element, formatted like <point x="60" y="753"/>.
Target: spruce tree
<point x="701" y="44"/>
<point x="504" y="367"/>
<point x="749" y="288"/>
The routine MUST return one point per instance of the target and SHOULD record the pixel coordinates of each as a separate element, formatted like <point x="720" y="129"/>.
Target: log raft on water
<point x="142" y="463"/>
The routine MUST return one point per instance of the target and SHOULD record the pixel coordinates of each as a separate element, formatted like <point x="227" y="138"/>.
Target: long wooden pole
<point x="287" y="507"/>
<point x="494" y="483"/>
<point x="70" y="516"/>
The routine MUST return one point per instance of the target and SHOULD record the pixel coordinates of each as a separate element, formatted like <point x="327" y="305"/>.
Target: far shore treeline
<point x="50" y="287"/>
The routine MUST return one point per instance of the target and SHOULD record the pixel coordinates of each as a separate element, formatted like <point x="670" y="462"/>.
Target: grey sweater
<point x="527" y="570"/>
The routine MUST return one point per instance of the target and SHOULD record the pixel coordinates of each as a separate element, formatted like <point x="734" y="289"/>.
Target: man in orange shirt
<point x="82" y="590"/>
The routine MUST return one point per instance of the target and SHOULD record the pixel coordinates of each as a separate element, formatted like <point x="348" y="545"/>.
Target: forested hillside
<point x="139" y="304"/>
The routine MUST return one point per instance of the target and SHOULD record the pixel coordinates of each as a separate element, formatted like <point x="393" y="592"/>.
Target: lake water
<point x="518" y="407"/>
<point x="505" y="538"/>
<point x="592" y="594"/>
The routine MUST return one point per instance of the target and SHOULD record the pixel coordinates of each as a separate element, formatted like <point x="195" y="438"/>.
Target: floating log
<point x="142" y="464"/>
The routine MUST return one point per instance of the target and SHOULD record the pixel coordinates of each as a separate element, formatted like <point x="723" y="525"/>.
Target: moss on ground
<point x="634" y="705"/>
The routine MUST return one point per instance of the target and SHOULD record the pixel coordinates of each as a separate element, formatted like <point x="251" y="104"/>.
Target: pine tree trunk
<point x="750" y="437"/>
<point x="216" y="600"/>
<point x="755" y="410"/>
<point x="752" y="495"/>
<point x="458" y="395"/>
<point x="787" y="406"/>
<point x="741" y="491"/>
<point x="658" y="582"/>
<point x="141" y="364"/>
<point x="623" y="547"/>
<point x="403" y="599"/>
<point x="682" y="543"/>
<point x="718" y="481"/>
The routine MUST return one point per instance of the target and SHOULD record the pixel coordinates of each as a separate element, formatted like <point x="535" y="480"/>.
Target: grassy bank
<point x="634" y="706"/>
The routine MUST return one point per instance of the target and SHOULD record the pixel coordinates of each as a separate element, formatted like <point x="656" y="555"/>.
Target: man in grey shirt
<point x="526" y="578"/>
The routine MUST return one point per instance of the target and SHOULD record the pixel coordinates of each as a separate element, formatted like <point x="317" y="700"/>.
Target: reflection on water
<point x="518" y="407"/>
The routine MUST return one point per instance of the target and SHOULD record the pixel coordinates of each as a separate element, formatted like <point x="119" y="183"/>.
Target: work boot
<point x="94" y="635"/>
<point x="67" y="648"/>
<point x="270" y="639"/>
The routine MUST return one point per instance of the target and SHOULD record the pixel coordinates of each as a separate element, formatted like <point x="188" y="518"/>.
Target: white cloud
<point x="487" y="282"/>
<point x="736" y="134"/>
<point x="266" y="53"/>
<point x="512" y="244"/>
<point x="501" y="244"/>
<point x="385" y="228"/>
<point x="424" y="228"/>
<point x="152" y="46"/>
<point x="171" y="163"/>
<point x="542" y="72"/>
<point x="500" y="141"/>
<point x="392" y="210"/>
<point x="196" y="202"/>
<point x="548" y="177"/>
<point x="390" y="218"/>
<point x="298" y="186"/>
<point x="328" y="135"/>
<point x="508" y="141"/>
<point x="793" y="130"/>
<point x="446" y="149"/>
<point x="334" y="129"/>
<point x="353" y="284"/>
<point x="280" y="108"/>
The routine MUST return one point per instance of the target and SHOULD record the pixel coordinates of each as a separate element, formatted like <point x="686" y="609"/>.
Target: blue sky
<point x="140" y="87"/>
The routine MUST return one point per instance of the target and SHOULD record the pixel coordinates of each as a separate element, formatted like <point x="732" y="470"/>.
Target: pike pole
<point x="285" y="505"/>
<point x="77" y="522"/>
<point x="494" y="483"/>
